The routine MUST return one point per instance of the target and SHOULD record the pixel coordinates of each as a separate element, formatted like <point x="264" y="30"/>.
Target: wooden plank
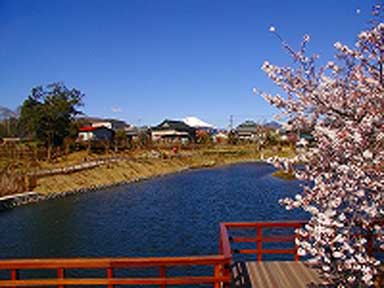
<point x="269" y="277"/>
<point x="300" y="277"/>
<point x="312" y="274"/>
<point x="281" y="274"/>
<point x="252" y="273"/>
<point x="301" y="272"/>
<point x="285" y="276"/>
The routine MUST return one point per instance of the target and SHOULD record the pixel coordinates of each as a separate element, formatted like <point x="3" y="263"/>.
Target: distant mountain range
<point x="6" y="113"/>
<point x="272" y="125"/>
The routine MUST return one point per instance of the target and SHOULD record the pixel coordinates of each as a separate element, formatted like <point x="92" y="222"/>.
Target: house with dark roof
<point x="113" y="124"/>
<point x="139" y="135"/>
<point x="249" y="131"/>
<point x="172" y="131"/>
<point x="90" y="133"/>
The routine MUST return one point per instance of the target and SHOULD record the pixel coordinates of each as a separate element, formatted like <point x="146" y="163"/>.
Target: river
<point x="173" y="215"/>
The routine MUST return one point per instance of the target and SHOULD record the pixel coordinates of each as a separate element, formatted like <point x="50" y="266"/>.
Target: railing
<point x="220" y="264"/>
<point x="219" y="277"/>
<point x="259" y="238"/>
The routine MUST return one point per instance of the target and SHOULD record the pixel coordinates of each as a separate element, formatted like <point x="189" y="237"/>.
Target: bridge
<point x="250" y="255"/>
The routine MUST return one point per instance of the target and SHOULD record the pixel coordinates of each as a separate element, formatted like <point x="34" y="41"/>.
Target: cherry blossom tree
<point x="342" y="103"/>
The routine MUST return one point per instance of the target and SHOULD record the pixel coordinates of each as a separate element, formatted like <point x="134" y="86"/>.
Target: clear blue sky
<point x="146" y="60"/>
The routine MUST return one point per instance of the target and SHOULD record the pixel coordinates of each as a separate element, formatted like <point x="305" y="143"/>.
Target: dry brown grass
<point x="141" y="167"/>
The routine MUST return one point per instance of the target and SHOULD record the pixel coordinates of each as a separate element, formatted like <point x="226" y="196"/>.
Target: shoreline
<point x="130" y="171"/>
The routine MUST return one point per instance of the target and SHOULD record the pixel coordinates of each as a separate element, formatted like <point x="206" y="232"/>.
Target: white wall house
<point x="89" y="133"/>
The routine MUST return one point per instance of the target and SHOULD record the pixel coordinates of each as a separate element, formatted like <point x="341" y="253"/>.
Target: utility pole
<point x="231" y="122"/>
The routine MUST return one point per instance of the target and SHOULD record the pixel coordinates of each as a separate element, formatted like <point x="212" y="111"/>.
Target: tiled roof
<point x="173" y="124"/>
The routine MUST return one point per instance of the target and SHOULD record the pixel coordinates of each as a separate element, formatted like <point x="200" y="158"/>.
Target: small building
<point x="111" y="124"/>
<point x="172" y="131"/>
<point x="138" y="135"/>
<point x="90" y="133"/>
<point x="132" y="133"/>
<point x="220" y="137"/>
<point x="249" y="131"/>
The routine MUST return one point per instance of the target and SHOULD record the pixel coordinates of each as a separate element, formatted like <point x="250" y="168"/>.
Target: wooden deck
<point x="281" y="274"/>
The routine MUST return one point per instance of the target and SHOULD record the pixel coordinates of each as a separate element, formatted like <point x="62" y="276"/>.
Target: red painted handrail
<point x="259" y="239"/>
<point x="220" y="263"/>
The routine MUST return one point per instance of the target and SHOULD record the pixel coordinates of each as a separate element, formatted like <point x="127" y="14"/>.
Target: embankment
<point x="138" y="168"/>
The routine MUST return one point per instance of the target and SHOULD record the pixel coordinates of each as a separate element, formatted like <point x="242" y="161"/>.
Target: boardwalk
<point x="281" y="274"/>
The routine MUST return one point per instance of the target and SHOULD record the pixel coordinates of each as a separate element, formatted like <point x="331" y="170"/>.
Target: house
<point x="139" y="135"/>
<point x="220" y="137"/>
<point x="90" y="133"/>
<point x="172" y="131"/>
<point x="113" y="124"/>
<point x="250" y="131"/>
<point x="132" y="133"/>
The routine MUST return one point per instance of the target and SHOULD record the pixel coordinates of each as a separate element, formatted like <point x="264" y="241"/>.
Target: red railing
<point x="221" y="263"/>
<point x="259" y="238"/>
<point x="219" y="277"/>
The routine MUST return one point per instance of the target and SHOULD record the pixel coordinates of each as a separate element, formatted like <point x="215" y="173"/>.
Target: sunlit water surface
<point x="177" y="214"/>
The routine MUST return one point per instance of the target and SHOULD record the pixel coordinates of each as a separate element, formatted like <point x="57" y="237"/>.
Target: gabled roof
<point x="174" y="125"/>
<point x="115" y="123"/>
<point x="248" y="126"/>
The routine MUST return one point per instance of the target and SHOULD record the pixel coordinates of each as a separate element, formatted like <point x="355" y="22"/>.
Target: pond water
<point x="174" y="215"/>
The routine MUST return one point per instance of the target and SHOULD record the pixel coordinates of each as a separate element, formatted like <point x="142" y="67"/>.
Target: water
<point x="174" y="215"/>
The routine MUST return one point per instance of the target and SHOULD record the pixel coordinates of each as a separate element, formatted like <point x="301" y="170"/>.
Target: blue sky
<point x="146" y="60"/>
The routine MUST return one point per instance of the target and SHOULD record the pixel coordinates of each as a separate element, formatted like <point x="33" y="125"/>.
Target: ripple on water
<point x="173" y="215"/>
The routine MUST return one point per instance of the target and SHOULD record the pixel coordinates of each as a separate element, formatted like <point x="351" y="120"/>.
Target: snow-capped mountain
<point x="196" y="122"/>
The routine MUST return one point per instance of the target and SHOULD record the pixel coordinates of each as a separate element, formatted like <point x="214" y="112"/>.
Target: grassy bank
<point x="144" y="164"/>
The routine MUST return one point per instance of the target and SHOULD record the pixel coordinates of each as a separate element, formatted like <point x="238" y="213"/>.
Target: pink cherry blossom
<point x="342" y="104"/>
